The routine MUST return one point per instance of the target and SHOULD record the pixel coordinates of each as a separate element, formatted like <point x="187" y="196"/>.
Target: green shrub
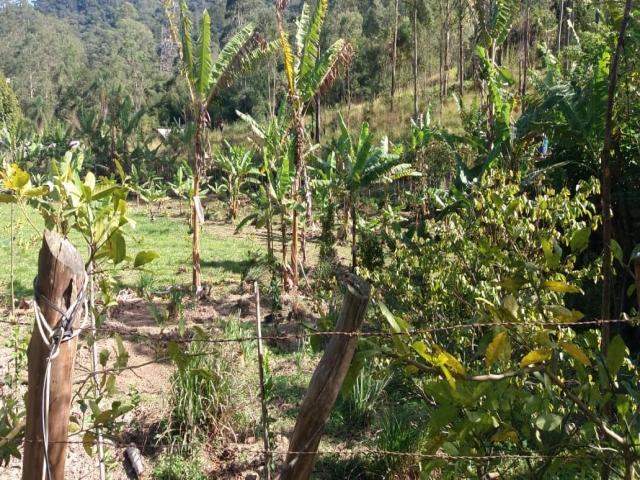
<point x="175" y="467"/>
<point x="200" y="396"/>
<point x="360" y="404"/>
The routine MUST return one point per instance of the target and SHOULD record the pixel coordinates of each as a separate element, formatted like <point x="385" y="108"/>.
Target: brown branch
<point x="587" y="411"/>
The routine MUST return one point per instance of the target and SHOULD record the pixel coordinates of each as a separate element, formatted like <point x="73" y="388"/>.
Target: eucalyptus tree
<point x="308" y="73"/>
<point x="363" y="166"/>
<point x="205" y="78"/>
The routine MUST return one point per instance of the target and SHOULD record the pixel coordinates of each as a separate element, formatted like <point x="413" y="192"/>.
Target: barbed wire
<point x="376" y="333"/>
<point x="348" y="452"/>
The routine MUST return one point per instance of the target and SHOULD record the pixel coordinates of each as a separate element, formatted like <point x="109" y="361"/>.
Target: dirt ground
<point x="145" y="341"/>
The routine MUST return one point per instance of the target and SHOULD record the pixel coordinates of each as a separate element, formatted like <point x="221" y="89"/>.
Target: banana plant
<point x="308" y="73"/>
<point x="364" y="166"/>
<point x="205" y="79"/>
<point x="238" y="171"/>
<point x="274" y="196"/>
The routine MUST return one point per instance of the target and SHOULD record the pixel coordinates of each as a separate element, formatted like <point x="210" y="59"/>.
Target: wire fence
<point x="569" y="453"/>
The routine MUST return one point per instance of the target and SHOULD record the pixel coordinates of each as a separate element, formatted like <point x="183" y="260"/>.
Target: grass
<point x="223" y="253"/>
<point x="224" y="257"/>
<point x="377" y="113"/>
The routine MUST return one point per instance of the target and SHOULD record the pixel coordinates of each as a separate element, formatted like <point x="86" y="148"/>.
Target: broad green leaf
<point x="576" y="352"/>
<point x="122" y="357"/>
<point x="144" y="257"/>
<point x="123" y="175"/>
<point x="512" y="284"/>
<point x="580" y="240"/>
<point x="510" y="304"/>
<point x="550" y="254"/>
<point x="616" y="250"/>
<point x="564" y="315"/>
<point x="204" y="56"/>
<point x="104" y="357"/>
<point x="616" y="354"/>
<point x="548" y="422"/>
<point x="498" y="348"/>
<point x="88" y="441"/>
<point x="35" y="192"/>
<point x="398" y="325"/>
<point x="178" y="357"/>
<point x="445" y="358"/>
<point x="421" y="348"/>
<point x="117" y="247"/>
<point x="447" y="375"/>
<point x="560" y="287"/>
<point x="90" y="181"/>
<point x="507" y="435"/>
<point x="16" y="179"/>
<point x="535" y="356"/>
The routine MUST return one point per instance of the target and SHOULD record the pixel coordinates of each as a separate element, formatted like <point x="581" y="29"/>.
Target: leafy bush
<point x="10" y="113"/>
<point x="361" y="402"/>
<point x="175" y="467"/>
<point x="200" y="394"/>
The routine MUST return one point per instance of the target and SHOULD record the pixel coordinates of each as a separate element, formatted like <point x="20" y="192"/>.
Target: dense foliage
<point x="504" y="251"/>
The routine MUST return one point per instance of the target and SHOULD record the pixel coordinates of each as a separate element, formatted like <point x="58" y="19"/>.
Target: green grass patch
<point x="223" y="253"/>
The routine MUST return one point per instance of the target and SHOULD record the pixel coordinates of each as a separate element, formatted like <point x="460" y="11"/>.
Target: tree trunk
<point x="461" y="49"/>
<point x="283" y="240"/>
<point x="299" y="154"/>
<point x="637" y="272"/>
<point x="447" y="41"/>
<point x="195" y="221"/>
<point x="60" y="279"/>
<point x="269" y="225"/>
<point x="560" y="21"/>
<point x="415" y="60"/>
<point x="525" y="60"/>
<point x="326" y="383"/>
<point x="607" y="181"/>
<point x="394" y="58"/>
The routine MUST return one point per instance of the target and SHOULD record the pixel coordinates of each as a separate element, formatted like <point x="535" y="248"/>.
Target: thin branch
<point x="587" y="411"/>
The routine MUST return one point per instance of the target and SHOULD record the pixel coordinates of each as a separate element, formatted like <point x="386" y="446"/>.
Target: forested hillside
<point x="333" y="239"/>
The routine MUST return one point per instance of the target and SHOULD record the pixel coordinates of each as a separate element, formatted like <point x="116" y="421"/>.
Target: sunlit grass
<point x="223" y="253"/>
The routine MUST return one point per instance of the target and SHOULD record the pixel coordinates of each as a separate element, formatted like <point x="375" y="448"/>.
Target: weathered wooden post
<point x="263" y="399"/>
<point x="60" y="281"/>
<point x="326" y="383"/>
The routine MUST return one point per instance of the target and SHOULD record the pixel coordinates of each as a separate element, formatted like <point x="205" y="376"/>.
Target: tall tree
<point x="9" y="108"/>
<point x="394" y="57"/>
<point x="606" y="179"/>
<point x="308" y="72"/>
<point x="205" y="79"/>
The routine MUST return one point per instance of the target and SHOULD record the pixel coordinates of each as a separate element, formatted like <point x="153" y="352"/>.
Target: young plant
<point x="238" y="171"/>
<point x="205" y="79"/>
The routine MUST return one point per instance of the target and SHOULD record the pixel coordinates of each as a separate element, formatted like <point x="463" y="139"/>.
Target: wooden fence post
<point x="263" y="399"/>
<point x="326" y="383"/>
<point x="61" y="276"/>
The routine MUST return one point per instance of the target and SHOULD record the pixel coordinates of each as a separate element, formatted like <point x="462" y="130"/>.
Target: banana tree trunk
<point x="269" y="226"/>
<point x="195" y="221"/>
<point x="354" y="227"/>
<point x="283" y="240"/>
<point x="299" y="153"/>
